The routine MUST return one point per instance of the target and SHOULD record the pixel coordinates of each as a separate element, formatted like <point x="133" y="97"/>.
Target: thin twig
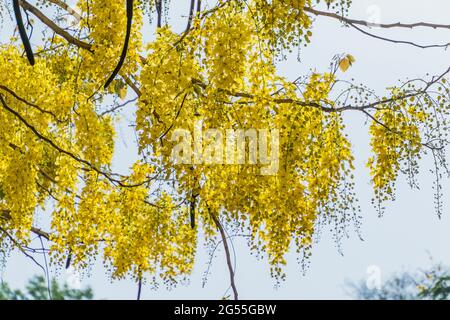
<point x="59" y="31"/>
<point x="67" y="8"/>
<point x="376" y="25"/>
<point x="47" y="273"/>
<point x="15" y="95"/>
<point x="63" y="151"/>
<point x="115" y="108"/>
<point x="158" y="4"/>
<point x="400" y="41"/>
<point x="20" y="247"/>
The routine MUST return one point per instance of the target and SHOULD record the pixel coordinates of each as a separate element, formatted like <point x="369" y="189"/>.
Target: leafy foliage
<point x="431" y="284"/>
<point x="37" y="289"/>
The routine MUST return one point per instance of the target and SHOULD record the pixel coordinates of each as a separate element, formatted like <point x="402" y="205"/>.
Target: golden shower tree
<point x="57" y="133"/>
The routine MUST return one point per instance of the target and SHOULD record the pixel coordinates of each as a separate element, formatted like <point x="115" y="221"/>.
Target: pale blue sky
<point x="403" y="239"/>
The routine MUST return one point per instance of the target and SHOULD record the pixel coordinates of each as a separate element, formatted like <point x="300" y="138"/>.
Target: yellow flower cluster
<point x="57" y="146"/>
<point x="184" y="84"/>
<point x="395" y="140"/>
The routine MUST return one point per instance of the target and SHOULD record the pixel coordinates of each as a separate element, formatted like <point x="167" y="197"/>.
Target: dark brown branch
<point x="212" y="253"/>
<point x="227" y="253"/>
<point x="11" y="92"/>
<point x="131" y="84"/>
<point x="20" y="247"/>
<point x="67" y="8"/>
<point x="69" y="38"/>
<point x="40" y="136"/>
<point x="59" y="31"/>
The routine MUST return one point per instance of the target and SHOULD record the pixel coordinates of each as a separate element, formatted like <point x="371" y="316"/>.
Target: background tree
<point x="58" y="133"/>
<point x="37" y="289"/>
<point x="430" y="284"/>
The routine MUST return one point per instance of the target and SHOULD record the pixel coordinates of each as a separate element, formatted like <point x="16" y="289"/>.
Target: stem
<point x="227" y="253"/>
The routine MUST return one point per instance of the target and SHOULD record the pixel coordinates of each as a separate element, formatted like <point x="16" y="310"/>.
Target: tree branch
<point x="63" y="151"/>
<point x="59" y="31"/>
<point x="67" y="8"/>
<point x="227" y="253"/>
<point x="11" y="92"/>
<point x="71" y="39"/>
<point x="377" y="25"/>
<point x="20" y="247"/>
<point x="5" y="214"/>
